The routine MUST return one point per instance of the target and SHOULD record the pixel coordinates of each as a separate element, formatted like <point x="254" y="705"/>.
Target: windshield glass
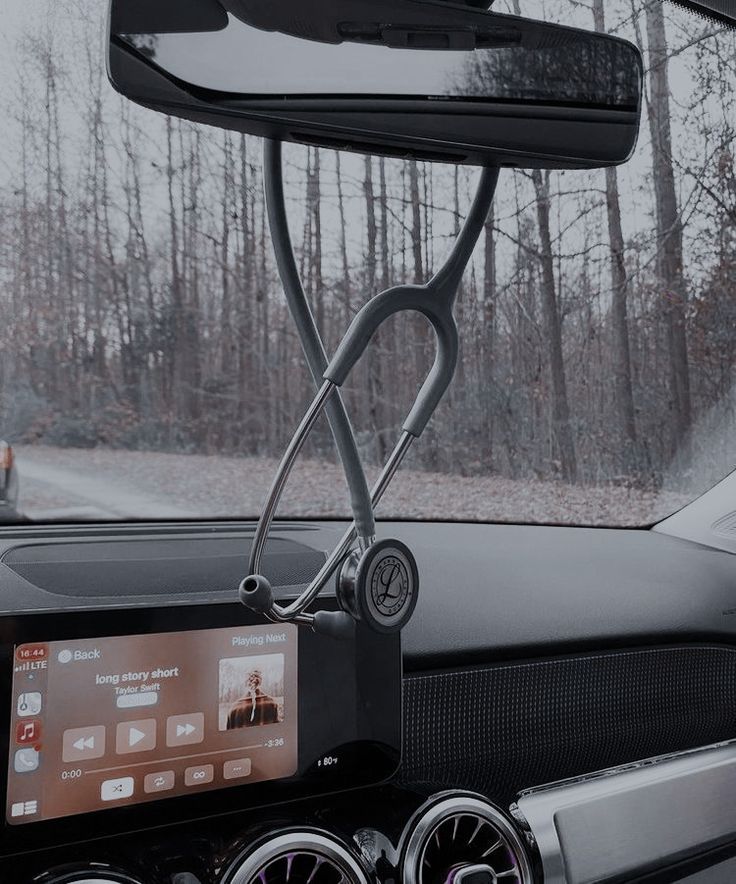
<point x="149" y="368"/>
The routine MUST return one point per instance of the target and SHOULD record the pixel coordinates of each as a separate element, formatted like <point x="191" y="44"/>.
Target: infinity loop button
<point x="198" y="776"/>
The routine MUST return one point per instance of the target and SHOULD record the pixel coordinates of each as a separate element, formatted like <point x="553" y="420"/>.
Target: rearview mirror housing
<point x="429" y="79"/>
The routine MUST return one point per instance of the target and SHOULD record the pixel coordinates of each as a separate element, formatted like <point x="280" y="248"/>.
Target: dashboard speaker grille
<point x="498" y="729"/>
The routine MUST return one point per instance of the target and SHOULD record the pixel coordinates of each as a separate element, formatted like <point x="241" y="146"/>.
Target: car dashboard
<point x="558" y="691"/>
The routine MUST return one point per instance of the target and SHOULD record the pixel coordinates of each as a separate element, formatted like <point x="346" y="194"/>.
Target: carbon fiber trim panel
<point x="499" y="729"/>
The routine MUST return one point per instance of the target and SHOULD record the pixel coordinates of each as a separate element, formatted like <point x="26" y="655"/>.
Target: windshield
<point x="149" y="368"/>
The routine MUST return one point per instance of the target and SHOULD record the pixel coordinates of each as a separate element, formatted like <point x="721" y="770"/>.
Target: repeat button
<point x="162" y="781"/>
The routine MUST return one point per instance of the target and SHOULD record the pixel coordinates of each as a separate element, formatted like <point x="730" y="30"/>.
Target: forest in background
<point x="141" y="308"/>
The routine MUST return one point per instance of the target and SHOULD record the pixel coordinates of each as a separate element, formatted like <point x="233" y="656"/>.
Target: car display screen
<point x="101" y="723"/>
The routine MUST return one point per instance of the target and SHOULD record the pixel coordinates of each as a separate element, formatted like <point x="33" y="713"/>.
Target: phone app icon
<point x="28" y="732"/>
<point x="29" y="704"/>
<point x="27" y="760"/>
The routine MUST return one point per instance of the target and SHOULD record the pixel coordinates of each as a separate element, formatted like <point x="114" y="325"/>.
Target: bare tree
<point x="673" y="292"/>
<point x="621" y="356"/>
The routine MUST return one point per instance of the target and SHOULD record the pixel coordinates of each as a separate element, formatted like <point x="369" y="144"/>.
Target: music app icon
<point x="28" y="732"/>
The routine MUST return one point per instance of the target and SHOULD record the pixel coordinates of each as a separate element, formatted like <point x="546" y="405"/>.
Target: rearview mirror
<point x="424" y="78"/>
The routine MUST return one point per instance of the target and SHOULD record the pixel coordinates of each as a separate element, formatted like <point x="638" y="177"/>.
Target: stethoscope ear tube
<point x="385" y="573"/>
<point x="314" y="351"/>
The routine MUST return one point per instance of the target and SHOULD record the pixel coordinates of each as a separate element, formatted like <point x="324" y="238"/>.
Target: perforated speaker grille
<point x="498" y="729"/>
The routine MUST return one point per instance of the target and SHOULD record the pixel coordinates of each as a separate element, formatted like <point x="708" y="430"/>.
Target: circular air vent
<point x="91" y="878"/>
<point x="92" y="875"/>
<point x="296" y="858"/>
<point x="459" y="838"/>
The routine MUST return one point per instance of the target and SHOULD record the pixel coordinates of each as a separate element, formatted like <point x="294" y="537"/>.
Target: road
<point x="50" y="492"/>
<point x="81" y="484"/>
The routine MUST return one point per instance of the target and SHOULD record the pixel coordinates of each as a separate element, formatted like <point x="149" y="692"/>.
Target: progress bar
<point x="159" y="761"/>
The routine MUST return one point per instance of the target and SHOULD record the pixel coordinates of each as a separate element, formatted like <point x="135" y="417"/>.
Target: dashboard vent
<point x="164" y="566"/>
<point x="459" y="838"/>
<point x="92" y="875"/>
<point x="726" y="526"/>
<point x="297" y="858"/>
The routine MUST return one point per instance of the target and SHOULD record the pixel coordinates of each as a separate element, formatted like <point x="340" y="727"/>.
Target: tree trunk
<point x="553" y="331"/>
<point x="375" y="383"/>
<point x="488" y="330"/>
<point x="623" y="387"/>
<point x="344" y="260"/>
<point x="416" y="222"/>
<point x="669" y="224"/>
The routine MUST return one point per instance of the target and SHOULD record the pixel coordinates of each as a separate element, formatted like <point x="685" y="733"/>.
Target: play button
<point x="136" y="736"/>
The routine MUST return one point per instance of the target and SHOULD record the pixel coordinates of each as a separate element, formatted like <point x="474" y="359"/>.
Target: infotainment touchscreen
<point x="108" y="722"/>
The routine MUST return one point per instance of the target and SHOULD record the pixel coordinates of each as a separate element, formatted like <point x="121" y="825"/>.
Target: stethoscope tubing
<point x="434" y="300"/>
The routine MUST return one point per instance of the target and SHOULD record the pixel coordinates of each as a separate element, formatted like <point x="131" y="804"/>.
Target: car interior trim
<point x="624" y="822"/>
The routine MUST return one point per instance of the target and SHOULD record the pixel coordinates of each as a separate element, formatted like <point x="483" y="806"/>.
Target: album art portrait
<point x="251" y="691"/>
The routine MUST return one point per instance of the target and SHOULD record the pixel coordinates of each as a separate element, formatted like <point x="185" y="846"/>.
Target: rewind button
<point x="83" y="744"/>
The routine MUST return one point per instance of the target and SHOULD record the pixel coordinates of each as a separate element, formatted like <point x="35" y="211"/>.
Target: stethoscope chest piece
<point x="380" y="585"/>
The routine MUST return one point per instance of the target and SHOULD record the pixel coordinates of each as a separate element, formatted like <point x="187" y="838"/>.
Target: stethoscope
<point x="377" y="580"/>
